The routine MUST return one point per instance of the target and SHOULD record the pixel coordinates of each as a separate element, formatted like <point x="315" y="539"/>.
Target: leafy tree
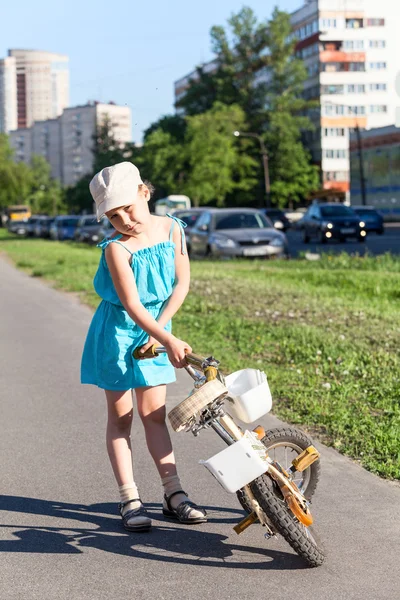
<point x="14" y="177"/>
<point x="292" y="175"/>
<point x="175" y="125"/>
<point x="213" y="156"/>
<point x="256" y="68"/>
<point x="241" y="56"/>
<point x="45" y="195"/>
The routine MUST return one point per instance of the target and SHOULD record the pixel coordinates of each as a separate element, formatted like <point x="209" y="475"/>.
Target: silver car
<point x="235" y="232"/>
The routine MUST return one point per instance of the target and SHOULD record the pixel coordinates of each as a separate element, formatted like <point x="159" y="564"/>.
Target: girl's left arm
<point x="182" y="280"/>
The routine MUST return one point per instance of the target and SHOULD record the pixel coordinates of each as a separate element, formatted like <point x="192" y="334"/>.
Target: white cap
<point x="115" y="186"/>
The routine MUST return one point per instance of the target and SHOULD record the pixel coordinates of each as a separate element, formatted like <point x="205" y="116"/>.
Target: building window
<point x="378" y="108"/>
<point x="354" y="23"/>
<point x="356" y="66"/>
<point x="356" y="88"/>
<point x="333" y="132"/>
<point x="336" y="175"/>
<point x="327" y="23"/>
<point x="332" y="89"/>
<point x="353" y="45"/>
<point x="375" y="22"/>
<point x="377" y="87"/>
<point x="335" y="153"/>
<point x="377" y="44"/>
<point x="377" y="66"/>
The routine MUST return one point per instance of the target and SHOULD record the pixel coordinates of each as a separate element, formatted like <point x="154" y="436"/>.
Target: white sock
<point x="172" y="484"/>
<point x="127" y="492"/>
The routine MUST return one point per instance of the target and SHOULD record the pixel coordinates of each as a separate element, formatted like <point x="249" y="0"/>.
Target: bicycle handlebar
<point x="192" y="359"/>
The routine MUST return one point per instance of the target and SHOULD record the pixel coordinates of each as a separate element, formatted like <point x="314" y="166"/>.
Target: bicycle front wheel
<point x="302" y="539"/>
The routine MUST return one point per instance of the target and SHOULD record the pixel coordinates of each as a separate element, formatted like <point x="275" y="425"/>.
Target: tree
<point x="292" y="175"/>
<point x="14" y="177"/>
<point x="256" y="68"/>
<point x="45" y="194"/>
<point x="234" y="76"/>
<point x="213" y="156"/>
<point x="175" y="125"/>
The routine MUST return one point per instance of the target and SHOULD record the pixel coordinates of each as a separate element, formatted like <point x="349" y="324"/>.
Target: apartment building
<point x="34" y="86"/>
<point x="67" y="142"/>
<point x="350" y="50"/>
<point x="8" y="94"/>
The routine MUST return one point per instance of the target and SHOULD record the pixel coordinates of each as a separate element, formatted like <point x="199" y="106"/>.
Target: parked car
<point x="372" y="218"/>
<point x="88" y="229"/>
<point x="17" y="227"/>
<point x="189" y="217"/>
<point x="327" y="221"/>
<point x="106" y="230"/>
<point x="277" y="217"/>
<point x="295" y="217"/>
<point x="42" y="225"/>
<point x="63" y="227"/>
<point x="31" y="224"/>
<point x="233" y="232"/>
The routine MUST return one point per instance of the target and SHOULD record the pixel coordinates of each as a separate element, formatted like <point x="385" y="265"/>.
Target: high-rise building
<point x="350" y="49"/>
<point x="8" y="94"/>
<point x="67" y="142"/>
<point x="42" y="81"/>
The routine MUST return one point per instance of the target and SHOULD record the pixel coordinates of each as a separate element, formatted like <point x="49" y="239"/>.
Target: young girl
<point x="143" y="279"/>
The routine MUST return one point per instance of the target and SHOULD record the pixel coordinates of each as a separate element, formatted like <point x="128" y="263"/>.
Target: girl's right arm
<point x="125" y="286"/>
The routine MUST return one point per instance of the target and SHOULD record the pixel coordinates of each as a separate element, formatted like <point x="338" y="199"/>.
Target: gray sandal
<point x="140" y="515"/>
<point x="183" y="510"/>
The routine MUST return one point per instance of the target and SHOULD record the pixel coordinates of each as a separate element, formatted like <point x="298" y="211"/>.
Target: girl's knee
<point x="153" y="417"/>
<point x="121" y="422"/>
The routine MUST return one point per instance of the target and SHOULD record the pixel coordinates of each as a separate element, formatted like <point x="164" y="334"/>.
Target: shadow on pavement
<point x="166" y="542"/>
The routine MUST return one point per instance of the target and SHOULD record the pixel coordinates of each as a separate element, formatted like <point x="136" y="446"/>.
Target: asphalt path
<point x="60" y="535"/>
<point x="374" y="244"/>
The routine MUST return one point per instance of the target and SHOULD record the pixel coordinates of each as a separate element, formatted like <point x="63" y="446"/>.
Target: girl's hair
<point x="149" y="186"/>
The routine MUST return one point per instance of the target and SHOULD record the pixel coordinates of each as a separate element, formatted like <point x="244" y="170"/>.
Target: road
<point x="375" y="244"/>
<point x="61" y="537"/>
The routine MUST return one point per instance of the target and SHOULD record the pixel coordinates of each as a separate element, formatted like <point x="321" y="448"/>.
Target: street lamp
<point x="264" y="155"/>
<point x="359" y="148"/>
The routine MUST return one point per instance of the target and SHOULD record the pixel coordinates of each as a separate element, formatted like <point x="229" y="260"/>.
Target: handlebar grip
<point x="150" y="352"/>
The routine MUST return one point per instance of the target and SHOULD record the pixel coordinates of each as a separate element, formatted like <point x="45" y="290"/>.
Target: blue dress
<point x="107" y="359"/>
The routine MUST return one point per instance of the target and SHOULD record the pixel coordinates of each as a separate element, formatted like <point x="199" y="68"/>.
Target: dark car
<point x="17" y="227"/>
<point x="233" y="232"/>
<point x="372" y="218"/>
<point x="89" y="229"/>
<point x="42" y="227"/>
<point x="328" y="221"/>
<point x="31" y="224"/>
<point x="190" y="217"/>
<point x="277" y="217"/>
<point x="63" y="227"/>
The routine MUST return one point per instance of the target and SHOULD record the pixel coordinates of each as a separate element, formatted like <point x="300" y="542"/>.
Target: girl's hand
<point x="177" y="350"/>
<point x="150" y="343"/>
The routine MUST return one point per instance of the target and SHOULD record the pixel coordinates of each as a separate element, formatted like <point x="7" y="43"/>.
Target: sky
<point x="126" y="51"/>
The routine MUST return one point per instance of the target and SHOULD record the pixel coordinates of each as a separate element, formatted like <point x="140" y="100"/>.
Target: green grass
<point x="325" y="332"/>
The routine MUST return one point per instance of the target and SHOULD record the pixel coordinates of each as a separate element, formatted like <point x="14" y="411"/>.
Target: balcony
<point x="338" y="56"/>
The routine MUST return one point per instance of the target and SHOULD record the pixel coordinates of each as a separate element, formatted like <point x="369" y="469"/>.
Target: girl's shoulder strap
<point x="182" y="225"/>
<point x="103" y="245"/>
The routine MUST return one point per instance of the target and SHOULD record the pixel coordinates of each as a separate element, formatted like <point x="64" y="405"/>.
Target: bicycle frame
<point x="214" y="416"/>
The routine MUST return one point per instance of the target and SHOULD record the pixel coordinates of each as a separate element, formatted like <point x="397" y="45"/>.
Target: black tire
<point x="281" y="435"/>
<point x="299" y="537"/>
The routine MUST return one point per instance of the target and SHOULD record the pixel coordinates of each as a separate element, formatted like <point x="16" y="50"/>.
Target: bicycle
<point x="274" y="494"/>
